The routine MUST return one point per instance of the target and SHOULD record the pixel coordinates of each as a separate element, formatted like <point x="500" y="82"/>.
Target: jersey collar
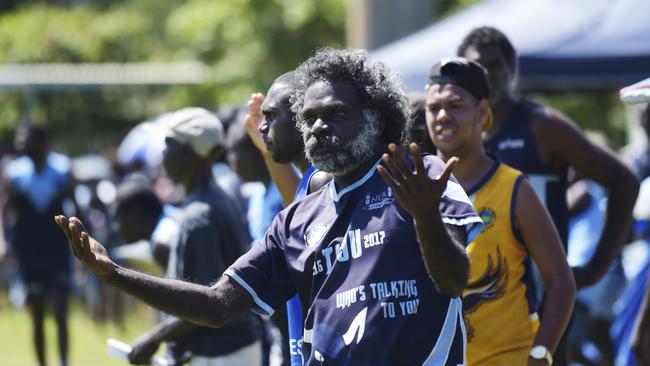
<point x="486" y="177"/>
<point x="336" y="196"/>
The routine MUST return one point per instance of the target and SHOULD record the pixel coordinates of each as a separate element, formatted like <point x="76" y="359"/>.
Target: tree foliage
<point x="245" y="44"/>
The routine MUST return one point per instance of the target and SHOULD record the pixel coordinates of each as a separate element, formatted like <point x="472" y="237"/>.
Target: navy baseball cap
<point x="462" y="72"/>
<point x="469" y="75"/>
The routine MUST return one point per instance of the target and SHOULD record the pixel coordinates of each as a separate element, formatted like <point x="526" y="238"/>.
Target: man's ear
<point x="484" y="108"/>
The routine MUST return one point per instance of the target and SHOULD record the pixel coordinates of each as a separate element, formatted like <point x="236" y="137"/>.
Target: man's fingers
<point x="85" y="240"/>
<point x="62" y="222"/>
<point x="75" y="241"/>
<point x="388" y="178"/>
<point x="449" y="167"/>
<point x="396" y="174"/>
<point x="399" y="160"/>
<point x="417" y="157"/>
<point x="78" y="224"/>
<point x="254" y="103"/>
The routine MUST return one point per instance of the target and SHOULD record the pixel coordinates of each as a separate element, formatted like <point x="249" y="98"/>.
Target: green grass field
<point x="87" y="338"/>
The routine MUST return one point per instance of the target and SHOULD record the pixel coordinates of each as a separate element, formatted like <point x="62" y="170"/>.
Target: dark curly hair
<point x="378" y="88"/>
<point x="490" y="36"/>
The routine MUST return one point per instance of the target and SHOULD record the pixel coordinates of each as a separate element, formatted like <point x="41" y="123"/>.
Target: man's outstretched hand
<point x="418" y="193"/>
<point x="85" y="248"/>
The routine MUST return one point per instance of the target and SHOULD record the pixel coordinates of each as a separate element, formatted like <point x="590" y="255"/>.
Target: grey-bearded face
<point x="331" y="155"/>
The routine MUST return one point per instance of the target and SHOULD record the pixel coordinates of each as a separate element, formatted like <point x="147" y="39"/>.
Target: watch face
<point x="538" y="352"/>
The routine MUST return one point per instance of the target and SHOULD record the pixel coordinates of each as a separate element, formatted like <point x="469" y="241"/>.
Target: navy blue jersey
<point x="40" y="246"/>
<point x="514" y="144"/>
<point x="353" y="259"/>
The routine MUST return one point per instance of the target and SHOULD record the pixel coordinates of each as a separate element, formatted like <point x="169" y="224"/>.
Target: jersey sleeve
<point x="263" y="270"/>
<point x="455" y="206"/>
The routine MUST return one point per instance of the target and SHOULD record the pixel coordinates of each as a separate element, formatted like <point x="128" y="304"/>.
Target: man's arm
<point x="211" y="306"/>
<point x="544" y="245"/>
<point x="562" y="141"/>
<point x="442" y="247"/>
<point x="170" y="329"/>
<point x="444" y="253"/>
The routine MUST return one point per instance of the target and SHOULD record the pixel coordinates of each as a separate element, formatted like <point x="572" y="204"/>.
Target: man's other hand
<point x="84" y="247"/>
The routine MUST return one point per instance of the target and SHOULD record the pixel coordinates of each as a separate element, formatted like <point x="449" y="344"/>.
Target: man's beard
<point x="331" y="155"/>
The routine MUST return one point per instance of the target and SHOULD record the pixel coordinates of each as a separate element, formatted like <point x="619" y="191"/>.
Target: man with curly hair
<point x="377" y="256"/>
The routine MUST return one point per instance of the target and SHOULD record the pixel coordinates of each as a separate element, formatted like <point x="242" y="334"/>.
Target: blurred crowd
<point x="160" y="209"/>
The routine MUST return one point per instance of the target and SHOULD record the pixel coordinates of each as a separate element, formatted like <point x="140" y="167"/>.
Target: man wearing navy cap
<point x="500" y="315"/>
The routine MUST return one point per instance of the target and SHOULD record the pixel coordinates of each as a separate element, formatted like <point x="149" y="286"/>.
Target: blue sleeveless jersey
<point x="39" y="244"/>
<point x="514" y="144"/>
<point x="353" y="259"/>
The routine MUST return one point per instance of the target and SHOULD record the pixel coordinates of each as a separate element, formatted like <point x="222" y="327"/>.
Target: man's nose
<point x="319" y="127"/>
<point x="264" y="127"/>
<point x="442" y="115"/>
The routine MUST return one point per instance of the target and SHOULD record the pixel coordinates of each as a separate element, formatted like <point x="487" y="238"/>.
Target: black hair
<point x="237" y="135"/>
<point x="136" y="193"/>
<point x="377" y="87"/>
<point x="288" y="78"/>
<point x="490" y="36"/>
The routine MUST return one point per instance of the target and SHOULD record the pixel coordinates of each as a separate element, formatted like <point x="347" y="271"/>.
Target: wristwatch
<point x="541" y="353"/>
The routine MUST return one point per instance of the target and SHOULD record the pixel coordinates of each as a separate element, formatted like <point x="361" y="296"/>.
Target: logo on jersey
<point x="357" y="327"/>
<point x="373" y="202"/>
<point x="315" y="233"/>
<point x="487" y="216"/>
<point x="490" y="286"/>
<point x="352" y="246"/>
<point x="511" y="144"/>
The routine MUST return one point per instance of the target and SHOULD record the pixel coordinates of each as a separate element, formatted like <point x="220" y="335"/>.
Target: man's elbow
<point x="456" y="282"/>
<point x="454" y="290"/>
<point x="566" y="284"/>
<point x="215" y="320"/>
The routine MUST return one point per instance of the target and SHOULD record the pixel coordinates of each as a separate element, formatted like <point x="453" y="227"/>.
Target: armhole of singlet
<point x="513" y="210"/>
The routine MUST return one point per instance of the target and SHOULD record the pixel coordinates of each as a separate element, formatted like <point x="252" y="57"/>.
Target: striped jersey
<point x="352" y="257"/>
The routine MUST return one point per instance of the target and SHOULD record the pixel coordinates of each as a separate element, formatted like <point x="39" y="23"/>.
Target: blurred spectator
<point x="420" y="133"/>
<point x="589" y="336"/>
<point x="630" y="331"/>
<point x="94" y="191"/>
<point x="225" y="177"/>
<point x="141" y="149"/>
<point x="35" y="185"/>
<point x="637" y="156"/>
<point x="543" y="144"/>
<point x="211" y="236"/>
<point x="139" y="215"/>
<point x="247" y="161"/>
